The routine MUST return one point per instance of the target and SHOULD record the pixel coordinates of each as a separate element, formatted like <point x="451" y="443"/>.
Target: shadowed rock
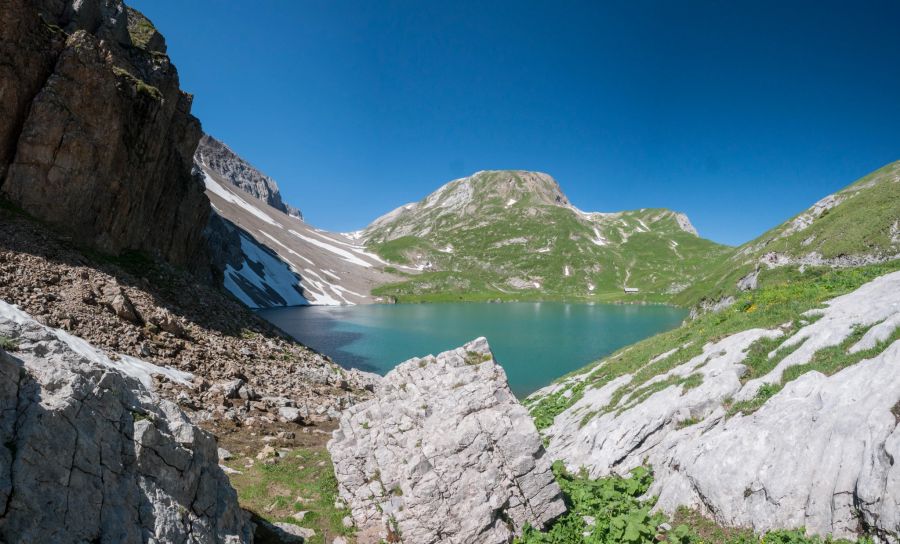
<point x="89" y="454"/>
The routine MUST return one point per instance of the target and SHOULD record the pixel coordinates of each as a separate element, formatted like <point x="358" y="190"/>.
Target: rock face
<point x="820" y="453"/>
<point x="269" y="258"/>
<point x="96" y="138"/>
<point x="89" y="454"/>
<point x="218" y="157"/>
<point x="445" y="453"/>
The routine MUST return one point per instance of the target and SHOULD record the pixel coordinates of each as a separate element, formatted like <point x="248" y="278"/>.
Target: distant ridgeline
<point x="513" y="235"/>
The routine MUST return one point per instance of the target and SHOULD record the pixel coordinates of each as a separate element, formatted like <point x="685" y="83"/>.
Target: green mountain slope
<point x="513" y="235"/>
<point x="856" y="226"/>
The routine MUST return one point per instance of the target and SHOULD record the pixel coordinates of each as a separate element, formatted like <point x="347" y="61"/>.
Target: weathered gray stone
<point x="819" y="454"/>
<point x="88" y="454"/>
<point x="445" y="453"/>
<point x="290" y="415"/>
<point x="215" y="155"/>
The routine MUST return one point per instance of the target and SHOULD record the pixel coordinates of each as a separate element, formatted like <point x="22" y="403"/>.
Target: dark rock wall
<point x="96" y="138"/>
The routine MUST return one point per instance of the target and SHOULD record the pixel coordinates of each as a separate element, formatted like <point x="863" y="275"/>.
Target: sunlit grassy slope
<point x="513" y="235"/>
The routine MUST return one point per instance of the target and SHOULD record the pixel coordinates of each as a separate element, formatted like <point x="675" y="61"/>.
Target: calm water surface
<point x="535" y="342"/>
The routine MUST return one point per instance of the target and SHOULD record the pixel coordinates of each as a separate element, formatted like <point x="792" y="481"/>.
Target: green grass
<point x="828" y="361"/>
<point x="536" y="241"/>
<point x="745" y="407"/>
<point x="8" y="344"/>
<point x="140" y="29"/>
<point x="141" y="86"/>
<point x="141" y="32"/>
<point x="785" y="295"/>
<point x="860" y="225"/>
<point x="833" y="359"/>
<point x="272" y="491"/>
<point x="622" y="515"/>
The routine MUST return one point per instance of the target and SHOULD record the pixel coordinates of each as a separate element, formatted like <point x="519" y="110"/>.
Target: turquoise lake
<point x="535" y="342"/>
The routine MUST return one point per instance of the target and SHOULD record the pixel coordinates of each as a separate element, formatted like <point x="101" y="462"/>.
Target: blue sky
<point x="739" y="113"/>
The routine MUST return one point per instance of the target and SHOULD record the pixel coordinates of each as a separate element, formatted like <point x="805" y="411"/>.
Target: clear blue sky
<point x="738" y="113"/>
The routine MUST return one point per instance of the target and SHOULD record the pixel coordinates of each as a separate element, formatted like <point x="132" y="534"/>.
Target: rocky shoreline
<point x="244" y="370"/>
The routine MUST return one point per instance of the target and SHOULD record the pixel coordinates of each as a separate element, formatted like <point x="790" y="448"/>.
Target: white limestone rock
<point x="821" y="453"/>
<point x="444" y="453"/>
<point x="89" y="454"/>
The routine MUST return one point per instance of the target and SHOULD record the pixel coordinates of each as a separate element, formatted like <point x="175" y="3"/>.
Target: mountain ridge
<point x="549" y="247"/>
<point x="857" y="225"/>
<point x="216" y="155"/>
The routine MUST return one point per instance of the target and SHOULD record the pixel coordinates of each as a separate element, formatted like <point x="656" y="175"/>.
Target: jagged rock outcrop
<point x="218" y="157"/>
<point x="444" y="453"/>
<point x="819" y="453"/>
<point x="89" y="454"/>
<point x="96" y="138"/>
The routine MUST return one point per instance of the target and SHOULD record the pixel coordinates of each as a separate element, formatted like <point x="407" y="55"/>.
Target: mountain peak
<point x="214" y="155"/>
<point x="518" y="184"/>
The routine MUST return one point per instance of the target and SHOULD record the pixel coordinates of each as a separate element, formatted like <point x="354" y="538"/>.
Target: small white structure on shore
<point x="632" y="290"/>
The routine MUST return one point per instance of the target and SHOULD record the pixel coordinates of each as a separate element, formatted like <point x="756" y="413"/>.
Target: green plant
<point x="613" y="503"/>
<point x="475" y="358"/>
<point x="141" y="86"/>
<point x="612" y="510"/>
<point x="303" y="480"/>
<point x="8" y="344"/>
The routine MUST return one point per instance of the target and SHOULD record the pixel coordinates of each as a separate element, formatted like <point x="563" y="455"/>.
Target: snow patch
<point x="276" y="275"/>
<point x="223" y="193"/>
<point x="286" y="248"/>
<point x="130" y="366"/>
<point x="598" y="238"/>
<point x="346" y="255"/>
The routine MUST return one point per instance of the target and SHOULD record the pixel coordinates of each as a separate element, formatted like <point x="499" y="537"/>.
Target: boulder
<point x="444" y="453"/>
<point x="89" y="454"/>
<point x="290" y="415"/>
<point x="122" y="306"/>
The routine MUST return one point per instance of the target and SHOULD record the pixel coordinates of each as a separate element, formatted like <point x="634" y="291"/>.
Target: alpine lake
<point x="535" y="342"/>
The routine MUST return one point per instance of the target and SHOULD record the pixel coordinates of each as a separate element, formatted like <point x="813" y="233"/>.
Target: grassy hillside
<point x="857" y="225"/>
<point x="513" y="235"/>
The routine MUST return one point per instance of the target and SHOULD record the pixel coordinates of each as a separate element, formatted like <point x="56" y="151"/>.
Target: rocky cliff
<point x="96" y="138"/>
<point x="444" y="453"/>
<point x="89" y="454"/>
<point x="215" y="156"/>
